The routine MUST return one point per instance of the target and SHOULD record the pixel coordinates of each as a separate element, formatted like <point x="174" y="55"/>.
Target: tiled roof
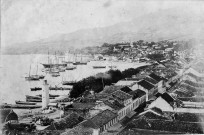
<point x="126" y="89"/>
<point x="155" y="77"/>
<point x="3" y="114"/>
<point x="170" y="75"/>
<point x="125" y="83"/>
<point x="121" y="95"/>
<point x="88" y="124"/>
<point x="79" y="130"/>
<point x="151" y="80"/>
<point x="113" y="104"/>
<point x="167" y="97"/>
<point x="11" y="116"/>
<point x="146" y="85"/>
<point x="103" y="118"/>
<point x="83" y="105"/>
<point x="137" y="93"/>
<point x="110" y="89"/>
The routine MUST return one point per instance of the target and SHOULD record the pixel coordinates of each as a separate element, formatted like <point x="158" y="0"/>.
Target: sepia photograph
<point x="101" y="67"/>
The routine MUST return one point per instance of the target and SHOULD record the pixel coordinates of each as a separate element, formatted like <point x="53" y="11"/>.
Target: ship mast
<point x="37" y="69"/>
<point x="48" y="58"/>
<point x="29" y="70"/>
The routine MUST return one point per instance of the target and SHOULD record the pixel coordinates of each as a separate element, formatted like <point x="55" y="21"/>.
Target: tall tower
<point x="45" y="94"/>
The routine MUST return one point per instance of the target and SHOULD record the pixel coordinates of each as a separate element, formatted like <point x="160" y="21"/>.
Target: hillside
<point x="165" y="24"/>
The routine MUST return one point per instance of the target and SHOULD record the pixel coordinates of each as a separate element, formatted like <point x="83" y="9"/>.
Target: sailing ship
<point x="79" y="62"/>
<point x="35" y="77"/>
<point x="68" y="59"/>
<point x="51" y="65"/>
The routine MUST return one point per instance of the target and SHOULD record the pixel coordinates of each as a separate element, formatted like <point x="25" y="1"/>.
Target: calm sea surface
<point x="14" y="68"/>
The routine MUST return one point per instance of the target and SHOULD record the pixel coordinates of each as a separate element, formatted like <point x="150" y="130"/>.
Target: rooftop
<point x="121" y="95"/>
<point x="83" y="105"/>
<point x="113" y="104"/>
<point x="146" y="85"/>
<point x="137" y="93"/>
<point x="126" y="89"/>
<point x="155" y="77"/>
<point x="110" y="89"/>
<point x="4" y="113"/>
<point x="170" y="75"/>
<point x="151" y="80"/>
<point x="125" y="83"/>
<point x="102" y="118"/>
<point x="11" y="116"/>
<point x="167" y="97"/>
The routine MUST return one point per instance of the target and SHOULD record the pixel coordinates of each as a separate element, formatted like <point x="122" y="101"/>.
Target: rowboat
<point x="24" y="103"/>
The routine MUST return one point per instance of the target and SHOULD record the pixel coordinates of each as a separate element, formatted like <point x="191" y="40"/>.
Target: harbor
<point x="101" y="67"/>
<point x="22" y="87"/>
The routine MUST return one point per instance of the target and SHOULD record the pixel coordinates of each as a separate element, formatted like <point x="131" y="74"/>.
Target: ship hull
<point x="80" y="63"/>
<point x="95" y="67"/>
<point x="68" y="83"/>
<point x="24" y="103"/>
<point x="35" y="89"/>
<point x="54" y="65"/>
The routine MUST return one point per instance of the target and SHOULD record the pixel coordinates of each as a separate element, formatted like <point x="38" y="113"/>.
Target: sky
<point x="31" y="20"/>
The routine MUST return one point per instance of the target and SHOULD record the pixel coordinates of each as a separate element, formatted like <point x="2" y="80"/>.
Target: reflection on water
<point x="15" y="67"/>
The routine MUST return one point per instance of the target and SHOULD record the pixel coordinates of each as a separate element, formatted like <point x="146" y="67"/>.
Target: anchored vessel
<point x="99" y="66"/>
<point x="25" y="103"/>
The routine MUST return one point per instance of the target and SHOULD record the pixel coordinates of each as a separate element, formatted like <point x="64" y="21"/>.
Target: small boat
<point x="41" y="76"/>
<point x="49" y="95"/>
<point x="79" y="63"/>
<point x="32" y="97"/>
<point x="24" y="103"/>
<point x="60" y="88"/>
<point x="54" y="70"/>
<point x="55" y="74"/>
<point x="68" y="62"/>
<point x="61" y="69"/>
<point x="33" y="100"/>
<point x="32" y="78"/>
<point x="54" y="65"/>
<point x="35" y="89"/>
<point x="35" y="97"/>
<point x="20" y="106"/>
<point x="99" y="67"/>
<point x="70" y="68"/>
<point x="69" y="82"/>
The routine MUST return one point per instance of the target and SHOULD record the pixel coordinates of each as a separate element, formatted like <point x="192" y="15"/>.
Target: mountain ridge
<point x="154" y="26"/>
